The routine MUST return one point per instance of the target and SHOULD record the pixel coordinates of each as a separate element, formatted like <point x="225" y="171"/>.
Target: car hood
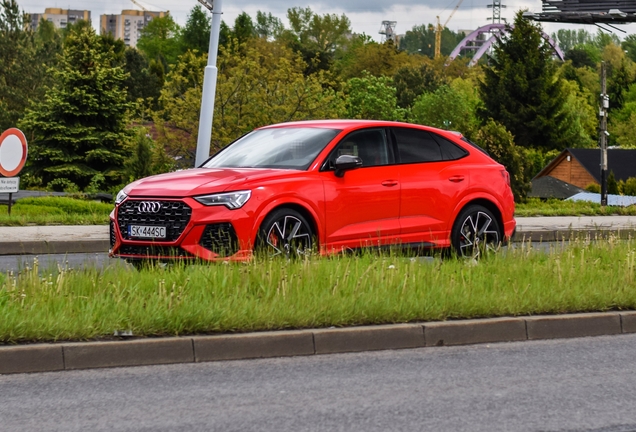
<point x="200" y="181"/>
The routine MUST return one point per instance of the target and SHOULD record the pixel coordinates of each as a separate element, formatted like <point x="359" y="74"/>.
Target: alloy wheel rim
<point x="289" y="237"/>
<point x="478" y="234"/>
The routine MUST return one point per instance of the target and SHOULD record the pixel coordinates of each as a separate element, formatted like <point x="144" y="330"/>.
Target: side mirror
<point x="345" y="163"/>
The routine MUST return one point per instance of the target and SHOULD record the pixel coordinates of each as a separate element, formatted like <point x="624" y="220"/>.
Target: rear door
<point x="432" y="181"/>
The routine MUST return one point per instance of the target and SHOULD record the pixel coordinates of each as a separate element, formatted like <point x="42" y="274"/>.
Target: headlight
<point x="231" y="200"/>
<point x="120" y="197"/>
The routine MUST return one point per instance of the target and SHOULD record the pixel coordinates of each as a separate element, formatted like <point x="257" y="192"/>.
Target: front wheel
<point x="286" y="233"/>
<point x="475" y="232"/>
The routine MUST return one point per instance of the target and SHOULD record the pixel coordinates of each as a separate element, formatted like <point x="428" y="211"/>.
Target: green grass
<point x="63" y="304"/>
<point x="554" y="207"/>
<point x="55" y="211"/>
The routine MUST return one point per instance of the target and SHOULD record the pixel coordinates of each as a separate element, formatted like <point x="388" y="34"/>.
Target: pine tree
<point x="520" y="90"/>
<point x="77" y="134"/>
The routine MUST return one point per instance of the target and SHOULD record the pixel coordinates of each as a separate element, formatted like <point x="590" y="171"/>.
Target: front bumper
<point x="194" y="232"/>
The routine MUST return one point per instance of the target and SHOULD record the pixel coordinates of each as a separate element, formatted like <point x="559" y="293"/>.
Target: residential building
<point x="128" y="25"/>
<point x="60" y="17"/>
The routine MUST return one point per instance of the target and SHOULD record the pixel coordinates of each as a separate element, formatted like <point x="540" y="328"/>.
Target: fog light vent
<point x="220" y="238"/>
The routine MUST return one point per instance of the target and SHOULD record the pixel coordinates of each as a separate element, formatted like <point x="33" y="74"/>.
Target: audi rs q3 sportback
<point x="323" y="186"/>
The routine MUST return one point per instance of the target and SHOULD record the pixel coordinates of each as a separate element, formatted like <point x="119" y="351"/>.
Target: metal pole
<point x="209" y="88"/>
<point x="603" y="134"/>
<point x="10" y="199"/>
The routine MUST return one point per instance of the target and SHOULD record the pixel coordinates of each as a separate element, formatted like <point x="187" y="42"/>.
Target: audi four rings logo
<point x="149" y="207"/>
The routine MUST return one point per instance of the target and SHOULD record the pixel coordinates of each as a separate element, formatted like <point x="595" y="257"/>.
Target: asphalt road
<point x="560" y="385"/>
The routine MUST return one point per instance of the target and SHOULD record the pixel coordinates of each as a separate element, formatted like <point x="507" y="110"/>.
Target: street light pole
<point x="603" y="134"/>
<point x="209" y="84"/>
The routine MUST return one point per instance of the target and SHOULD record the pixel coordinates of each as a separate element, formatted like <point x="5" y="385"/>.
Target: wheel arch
<point x="304" y="211"/>
<point x="488" y="204"/>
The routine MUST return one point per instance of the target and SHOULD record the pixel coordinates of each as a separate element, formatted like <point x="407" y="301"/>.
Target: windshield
<point x="290" y="148"/>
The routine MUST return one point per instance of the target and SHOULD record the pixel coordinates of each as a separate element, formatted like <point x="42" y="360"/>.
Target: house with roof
<point x="575" y="169"/>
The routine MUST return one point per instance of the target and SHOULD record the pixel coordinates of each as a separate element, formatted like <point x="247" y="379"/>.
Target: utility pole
<point x="603" y="134"/>
<point x="209" y="84"/>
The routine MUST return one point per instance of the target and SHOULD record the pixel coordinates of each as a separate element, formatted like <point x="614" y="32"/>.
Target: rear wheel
<point x="285" y="232"/>
<point x="475" y="232"/>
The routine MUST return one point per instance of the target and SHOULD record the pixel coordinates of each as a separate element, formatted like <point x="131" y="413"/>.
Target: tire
<point x="475" y="232"/>
<point x="285" y="233"/>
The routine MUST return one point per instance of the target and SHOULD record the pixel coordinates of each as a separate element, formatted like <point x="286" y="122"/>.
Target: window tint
<point x="416" y="146"/>
<point x="466" y="140"/>
<point x="369" y="145"/>
<point x="450" y="151"/>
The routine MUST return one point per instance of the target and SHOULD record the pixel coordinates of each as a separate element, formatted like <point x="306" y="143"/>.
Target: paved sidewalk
<point x="94" y="238"/>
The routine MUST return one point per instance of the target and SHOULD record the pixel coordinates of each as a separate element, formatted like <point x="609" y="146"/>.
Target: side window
<point x="450" y="151"/>
<point x="416" y="146"/>
<point x="370" y="145"/>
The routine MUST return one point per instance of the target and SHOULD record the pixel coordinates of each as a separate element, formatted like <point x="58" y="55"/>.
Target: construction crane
<point x="438" y="30"/>
<point x="136" y="3"/>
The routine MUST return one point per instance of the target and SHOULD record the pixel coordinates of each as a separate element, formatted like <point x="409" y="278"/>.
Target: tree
<point x="520" y="90"/>
<point x="500" y="144"/>
<point x="569" y="39"/>
<point x="449" y="107"/>
<point x="78" y="132"/>
<point x="412" y="81"/>
<point x="372" y="98"/>
<point x="196" y="33"/>
<point x="421" y="40"/>
<point x="318" y="38"/>
<point x="142" y="82"/>
<point x="268" y="26"/>
<point x="375" y="58"/>
<point x="160" y="40"/>
<point x="25" y="57"/>
<point x="629" y="46"/>
<point x="244" y="28"/>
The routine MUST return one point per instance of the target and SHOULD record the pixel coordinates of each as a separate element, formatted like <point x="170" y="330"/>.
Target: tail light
<point x="506" y="176"/>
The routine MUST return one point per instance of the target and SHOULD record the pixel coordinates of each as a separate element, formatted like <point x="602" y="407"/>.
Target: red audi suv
<point x="325" y="186"/>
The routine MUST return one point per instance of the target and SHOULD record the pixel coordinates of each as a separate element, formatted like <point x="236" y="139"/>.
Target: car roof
<point x="345" y="124"/>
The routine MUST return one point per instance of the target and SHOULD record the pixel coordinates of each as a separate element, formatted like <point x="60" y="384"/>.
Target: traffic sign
<point x="13" y="152"/>
<point x="9" y="185"/>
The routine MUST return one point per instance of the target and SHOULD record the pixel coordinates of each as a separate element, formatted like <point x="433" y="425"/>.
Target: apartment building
<point x="60" y="17"/>
<point x="128" y="25"/>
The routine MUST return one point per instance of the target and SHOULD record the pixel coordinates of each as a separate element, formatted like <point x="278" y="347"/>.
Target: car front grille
<point x="113" y="236"/>
<point x="154" y="251"/>
<point x="174" y="215"/>
<point x="220" y="238"/>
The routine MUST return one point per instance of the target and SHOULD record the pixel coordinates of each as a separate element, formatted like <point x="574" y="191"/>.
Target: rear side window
<point x="416" y="146"/>
<point x="450" y="151"/>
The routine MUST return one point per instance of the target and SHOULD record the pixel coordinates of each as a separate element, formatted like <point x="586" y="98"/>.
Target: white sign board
<point x="13" y="152"/>
<point x="9" y="184"/>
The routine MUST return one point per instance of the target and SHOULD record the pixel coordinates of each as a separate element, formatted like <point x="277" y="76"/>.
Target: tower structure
<point x="496" y="11"/>
<point x="388" y="30"/>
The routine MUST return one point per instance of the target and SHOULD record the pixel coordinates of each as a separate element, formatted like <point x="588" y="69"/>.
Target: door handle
<point x="389" y="183"/>
<point x="456" y="178"/>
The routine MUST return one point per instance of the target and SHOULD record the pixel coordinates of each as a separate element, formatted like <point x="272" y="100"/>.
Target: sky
<point x="366" y="16"/>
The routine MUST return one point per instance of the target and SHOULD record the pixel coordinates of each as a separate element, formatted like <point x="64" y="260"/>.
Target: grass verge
<point x="55" y="211"/>
<point x="555" y="207"/>
<point x="63" y="304"/>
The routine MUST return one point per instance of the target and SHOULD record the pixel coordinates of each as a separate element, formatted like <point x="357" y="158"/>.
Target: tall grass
<point x="65" y="304"/>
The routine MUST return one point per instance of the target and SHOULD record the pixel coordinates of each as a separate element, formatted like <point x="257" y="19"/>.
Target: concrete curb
<point x="573" y="234"/>
<point x="41" y="247"/>
<point x="195" y="349"/>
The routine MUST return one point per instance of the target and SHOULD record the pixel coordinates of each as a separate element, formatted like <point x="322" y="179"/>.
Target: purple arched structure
<point x="494" y="30"/>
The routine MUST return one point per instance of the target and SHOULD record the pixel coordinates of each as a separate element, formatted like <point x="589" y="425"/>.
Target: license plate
<point x="141" y="231"/>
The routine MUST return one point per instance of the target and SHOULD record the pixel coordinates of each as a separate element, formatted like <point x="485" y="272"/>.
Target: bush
<point x="627" y="187"/>
<point x="593" y="187"/>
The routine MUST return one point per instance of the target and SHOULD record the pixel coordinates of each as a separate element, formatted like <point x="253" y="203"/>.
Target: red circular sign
<point x="13" y="152"/>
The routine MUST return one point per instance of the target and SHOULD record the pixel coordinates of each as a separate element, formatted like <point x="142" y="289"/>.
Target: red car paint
<point x="398" y="203"/>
